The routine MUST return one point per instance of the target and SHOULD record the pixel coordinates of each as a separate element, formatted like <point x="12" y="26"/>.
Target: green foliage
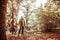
<point x="48" y="18"/>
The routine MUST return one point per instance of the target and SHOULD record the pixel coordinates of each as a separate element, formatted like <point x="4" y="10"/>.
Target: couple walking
<point x="21" y="24"/>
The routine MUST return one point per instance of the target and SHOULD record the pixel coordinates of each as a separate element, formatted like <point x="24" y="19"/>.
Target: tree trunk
<point x="27" y="9"/>
<point x="2" y="19"/>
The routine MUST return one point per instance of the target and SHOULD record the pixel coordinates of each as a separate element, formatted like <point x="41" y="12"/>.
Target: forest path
<point x="35" y="36"/>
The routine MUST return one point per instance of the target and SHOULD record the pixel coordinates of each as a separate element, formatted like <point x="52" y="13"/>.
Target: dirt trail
<point x="35" y="36"/>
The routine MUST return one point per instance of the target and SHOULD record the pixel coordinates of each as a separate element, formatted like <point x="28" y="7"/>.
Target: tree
<point x="48" y="17"/>
<point x="3" y="6"/>
<point x="12" y="11"/>
<point x="26" y="8"/>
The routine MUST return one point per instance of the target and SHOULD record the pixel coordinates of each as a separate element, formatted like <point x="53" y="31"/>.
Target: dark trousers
<point x="21" y="30"/>
<point x="14" y="29"/>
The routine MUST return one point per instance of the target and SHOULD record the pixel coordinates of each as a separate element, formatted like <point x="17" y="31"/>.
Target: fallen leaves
<point x="35" y="36"/>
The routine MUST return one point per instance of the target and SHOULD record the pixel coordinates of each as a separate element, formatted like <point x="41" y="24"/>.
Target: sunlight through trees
<point x="34" y="12"/>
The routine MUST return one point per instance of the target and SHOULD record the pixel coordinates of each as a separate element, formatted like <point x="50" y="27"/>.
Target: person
<point x="12" y="28"/>
<point x="22" y="24"/>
